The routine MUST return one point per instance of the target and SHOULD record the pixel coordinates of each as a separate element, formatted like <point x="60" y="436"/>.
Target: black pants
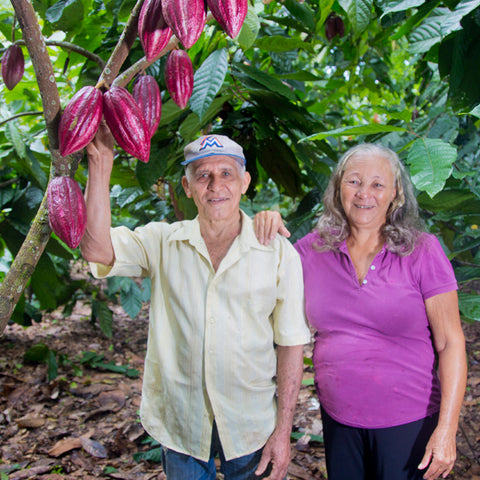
<point x="376" y="454"/>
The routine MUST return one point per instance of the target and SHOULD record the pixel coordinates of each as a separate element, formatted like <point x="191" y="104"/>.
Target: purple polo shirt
<point x="373" y="357"/>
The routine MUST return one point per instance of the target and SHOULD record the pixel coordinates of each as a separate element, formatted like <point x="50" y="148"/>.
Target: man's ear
<point x="186" y="187"/>
<point x="246" y="181"/>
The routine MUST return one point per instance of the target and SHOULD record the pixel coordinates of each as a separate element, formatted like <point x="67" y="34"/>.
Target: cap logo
<point x="210" y="142"/>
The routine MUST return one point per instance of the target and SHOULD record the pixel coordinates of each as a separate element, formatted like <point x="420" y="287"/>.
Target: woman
<point x="389" y="354"/>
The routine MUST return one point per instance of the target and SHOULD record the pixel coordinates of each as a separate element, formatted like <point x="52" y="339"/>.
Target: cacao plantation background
<point x="302" y="82"/>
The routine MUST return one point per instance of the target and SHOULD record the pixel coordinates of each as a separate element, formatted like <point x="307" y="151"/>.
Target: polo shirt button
<point x="372" y="267"/>
<point x="365" y="281"/>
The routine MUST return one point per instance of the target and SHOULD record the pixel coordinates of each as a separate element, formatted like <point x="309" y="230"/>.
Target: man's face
<point x="216" y="186"/>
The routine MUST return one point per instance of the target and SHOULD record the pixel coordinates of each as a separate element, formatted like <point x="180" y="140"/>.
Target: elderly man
<point x="227" y="327"/>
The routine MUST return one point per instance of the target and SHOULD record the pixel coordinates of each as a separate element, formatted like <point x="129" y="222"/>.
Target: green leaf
<point x="302" y="12"/>
<point x="391" y="6"/>
<point x="357" y="130"/>
<point x="469" y="305"/>
<point x="130" y="296"/>
<point x="251" y="25"/>
<point x="277" y="43"/>
<point x="38" y="353"/>
<point x="359" y="13"/>
<point x="66" y="14"/>
<point x="467" y="274"/>
<point x="430" y="163"/>
<point x="208" y="80"/>
<point x="104" y="315"/>
<point x="52" y="366"/>
<point x="267" y="81"/>
<point x="451" y="200"/>
<point x="154" y="455"/>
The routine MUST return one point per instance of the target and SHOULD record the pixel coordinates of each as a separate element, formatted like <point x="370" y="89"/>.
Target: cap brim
<point x="235" y="157"/>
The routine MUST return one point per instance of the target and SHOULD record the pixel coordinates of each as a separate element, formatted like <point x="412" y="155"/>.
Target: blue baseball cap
<point x="211" y="145"/>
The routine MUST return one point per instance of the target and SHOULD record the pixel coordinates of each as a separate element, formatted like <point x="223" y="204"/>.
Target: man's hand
<point x="440" y="454"/>
<point x="267" y="224"/>
<point x="101" y="147"/>
<point x="276" y="452"/>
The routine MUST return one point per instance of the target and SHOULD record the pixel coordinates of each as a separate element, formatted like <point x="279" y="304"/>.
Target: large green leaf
<point x="208" y="80"/>
<point x="301" y="12"/>
<point x="391" y="6"/>
<point x="469" y="304"/>
<point x="104" y="315"/>
<point x="131" y="297"/>
<point x="277" y="43"/>
<point x="251" y="25"/>
<point x="66" y="14"/>
<point x="267" y="81"/>
<point x="357" y="130"/>
<point x="359" y="13"/>
<point x="431" y="163"/>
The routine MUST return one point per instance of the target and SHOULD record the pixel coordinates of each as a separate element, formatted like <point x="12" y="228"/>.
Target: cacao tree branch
<point x="120" y="53"/>
<point x="18" y="115"/>
<point x="73" y="48"/>
<point x="32" y="248"/>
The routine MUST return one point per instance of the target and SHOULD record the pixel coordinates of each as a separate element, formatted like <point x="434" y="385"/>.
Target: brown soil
<point x="84" y="424"/>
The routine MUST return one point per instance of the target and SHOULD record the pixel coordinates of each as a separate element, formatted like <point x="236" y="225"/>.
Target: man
<point x="225" y="345"/>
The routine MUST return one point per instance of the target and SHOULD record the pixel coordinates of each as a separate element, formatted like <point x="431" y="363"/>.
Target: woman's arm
<point x="444" y="318"/>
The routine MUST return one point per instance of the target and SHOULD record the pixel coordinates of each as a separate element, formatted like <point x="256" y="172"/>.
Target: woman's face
<point x="366" y="190"/>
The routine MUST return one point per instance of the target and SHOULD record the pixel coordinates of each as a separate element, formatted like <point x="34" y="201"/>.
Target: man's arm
<point x="96" y="245"/>
<point x="289" y="378"/>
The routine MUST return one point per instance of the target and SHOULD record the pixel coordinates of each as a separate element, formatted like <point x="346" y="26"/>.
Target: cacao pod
<point x="67" y="212"/>
<point x="146" y="93"/>
<point x="126" y="122"/>
<point x="230" y="14"/>
<point x="186" y="18"/>
<point x="153" y="31"/>
<point x="339" y="26"/>
<point x="334" y="26"/>
<point x="13" y="66"/>
<point x="80" y="120"/>
<point x="179" y="77"/>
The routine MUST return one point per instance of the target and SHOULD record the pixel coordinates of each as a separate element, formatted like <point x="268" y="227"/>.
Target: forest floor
<point x="84" y="423"/>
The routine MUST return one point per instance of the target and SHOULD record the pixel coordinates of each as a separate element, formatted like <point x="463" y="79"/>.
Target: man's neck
<point x="219" y="236"/>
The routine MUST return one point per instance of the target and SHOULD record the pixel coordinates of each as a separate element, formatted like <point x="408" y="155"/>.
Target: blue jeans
<point x="178" y="466"/>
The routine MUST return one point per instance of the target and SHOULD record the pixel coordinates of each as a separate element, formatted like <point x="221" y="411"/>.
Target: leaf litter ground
<point x="84" y="423"/>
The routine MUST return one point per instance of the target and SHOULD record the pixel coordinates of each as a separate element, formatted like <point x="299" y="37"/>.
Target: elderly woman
<point x="389" y="354"/>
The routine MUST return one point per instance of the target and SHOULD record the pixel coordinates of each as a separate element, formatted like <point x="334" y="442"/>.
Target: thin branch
<point x="120" y="53"/>
<point x="18" y="115"/>
<point x="9" y="182"/>
<point x="73" y="48"/>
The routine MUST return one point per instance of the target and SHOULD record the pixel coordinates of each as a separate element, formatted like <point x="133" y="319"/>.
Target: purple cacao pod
<point x="146" y="93"/>
<point x="179" y="77"/>
<point x="80" y="120"/>
<point x="339" y="26"/>
<point x="126" y="122"/>
<point x="153" y="31"/>
<point x="230" y="14"/>
<point x="13" y="66"/>
<point x="330" y="28"/>
<point x="67" y="212"/>
<point x="186" y="18"/>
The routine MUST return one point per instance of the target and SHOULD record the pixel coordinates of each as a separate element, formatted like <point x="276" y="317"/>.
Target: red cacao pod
<point x="13" y="66"/>
<point x="230" y="14"/>
<point x="126" y="122"/>
<point x="153" y="31"/>
<point x="80" y="120"/>
<point x="67" y="212"/>
<point x="186" y="18"/>
<point x="146" y="93"/>
<point x="179" y="77"/>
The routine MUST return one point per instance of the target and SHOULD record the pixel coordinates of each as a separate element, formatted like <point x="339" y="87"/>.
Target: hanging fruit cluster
<point x="334" y="26"/>
<point x="133" y="117"/>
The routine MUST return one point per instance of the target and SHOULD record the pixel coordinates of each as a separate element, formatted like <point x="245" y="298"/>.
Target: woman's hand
<point x="267" y="224"/>
<point x="440" y="454"/>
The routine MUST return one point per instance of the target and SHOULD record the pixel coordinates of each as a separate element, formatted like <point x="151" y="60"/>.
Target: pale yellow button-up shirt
<point x="210" y="353"/>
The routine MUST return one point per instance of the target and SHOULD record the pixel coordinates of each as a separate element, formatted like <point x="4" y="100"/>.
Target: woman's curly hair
<point x="403" y="226"/>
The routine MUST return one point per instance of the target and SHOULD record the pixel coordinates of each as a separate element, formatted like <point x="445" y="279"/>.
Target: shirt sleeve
<point x="436" y="273"/>
<point x="290" y="323"/>
<point x="131" y="257"/>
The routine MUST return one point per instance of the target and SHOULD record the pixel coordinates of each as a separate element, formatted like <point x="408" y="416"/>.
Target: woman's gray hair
<point x="403" y="226"/>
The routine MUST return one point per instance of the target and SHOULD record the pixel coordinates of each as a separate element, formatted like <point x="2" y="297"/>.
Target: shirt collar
<point x="189" y="230"/>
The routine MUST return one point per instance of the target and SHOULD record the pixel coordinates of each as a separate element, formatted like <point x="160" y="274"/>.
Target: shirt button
<point x="372" y="267"/>
<point x="365" y="281"/>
